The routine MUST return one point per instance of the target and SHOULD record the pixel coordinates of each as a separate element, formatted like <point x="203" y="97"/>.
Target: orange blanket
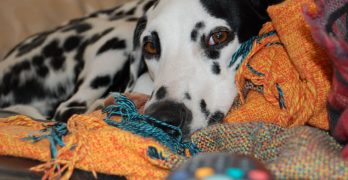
<point x="293" y="71"/>
<point x="92" y="145"/>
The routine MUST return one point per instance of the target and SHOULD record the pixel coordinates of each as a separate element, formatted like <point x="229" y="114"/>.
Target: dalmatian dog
<point x="61" y="72"/>
<point x="179" y="53"/>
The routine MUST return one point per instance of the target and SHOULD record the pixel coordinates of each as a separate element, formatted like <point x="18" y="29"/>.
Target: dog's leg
<point x="26" y="110"/>
<point x="100" y="74"/>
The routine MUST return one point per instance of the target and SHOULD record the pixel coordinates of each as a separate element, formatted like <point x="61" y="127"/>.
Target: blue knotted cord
<point x="143" y="125"/>
<point x="54" y="134"/>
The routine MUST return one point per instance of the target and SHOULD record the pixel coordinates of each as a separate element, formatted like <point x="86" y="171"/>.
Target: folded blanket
<point x="97" y="142"/>
<point x="291" y="71"/>
<point x="92" y="145"/>
<point x="295" y="153"/>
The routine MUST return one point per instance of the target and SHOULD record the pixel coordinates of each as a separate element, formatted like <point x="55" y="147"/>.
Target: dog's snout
<point x="173" y="113"/>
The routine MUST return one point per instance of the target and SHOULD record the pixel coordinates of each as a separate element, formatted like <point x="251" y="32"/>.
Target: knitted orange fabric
<point x="92" y="145"/>
<point x="299" y="67"/>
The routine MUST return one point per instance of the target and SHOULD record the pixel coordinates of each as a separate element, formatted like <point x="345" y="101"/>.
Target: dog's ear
<point x="265" y="3"/>
<point x="253" y="16"/>
<point x="260" y="7"/>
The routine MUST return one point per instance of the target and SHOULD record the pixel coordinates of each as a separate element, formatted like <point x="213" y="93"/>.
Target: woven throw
<point x="92" y="145"/>
<point x="293" y="70"/>
<point x="295" y="153"/>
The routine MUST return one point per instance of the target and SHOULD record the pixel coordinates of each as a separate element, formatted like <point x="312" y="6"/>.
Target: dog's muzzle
<point x="175" y="114"/>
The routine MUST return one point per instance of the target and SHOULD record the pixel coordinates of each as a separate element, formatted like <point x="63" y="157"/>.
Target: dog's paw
<point x="63" y="113"/>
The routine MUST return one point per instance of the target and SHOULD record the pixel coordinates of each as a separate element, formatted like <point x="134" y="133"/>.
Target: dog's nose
<point x="176" y="114"/>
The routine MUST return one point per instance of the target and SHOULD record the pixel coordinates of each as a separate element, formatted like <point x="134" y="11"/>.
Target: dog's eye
<point x="150" y="48"/>
<point x="217" y="38"/>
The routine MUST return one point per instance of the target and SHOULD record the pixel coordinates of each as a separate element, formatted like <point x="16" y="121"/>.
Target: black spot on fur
<point x="22" y="66"/>
<point x="57" y="63"/>
<point x="148" y="5"/>
<point x="212" y="53"/>
<point x="116" y="17"/>
<point x="131" y="11"/>
<point x="141" y="25"/>
<point x="79" y="57"/>
<point x="132" y="19"/>
<point x="106" y="11"/>
<point x="194" y="35"/>
<point x="79" y="82"/>
<point x="52" y="49"/>
<point x="33" y="44"/>
<point x="76" y="21"/>
<point x="25" y="93"/>
<point x="72" y="43"/>
<point x="216" y="68"/>
<point x="98" y="36"/>
<point x="40" y="67"/>
<point x="188" y="96"/>
<point x="100" y="81"/>
<point x="161" y="93"/>
<point x="112" y="44"/>
<point x="216" y="118"/>
<point x="120" y="13"/>
<point x="200" y="25"/>
<point x="38" y="60"/>
<point x="204" y="109"/>
<point x="75" y="103"/>
<point x="78" y="27"/>
<point x="10" y="81"/>
<point x="120" y="80"/>
<point x="42" y="71"/>
<point x="80" y="52"/>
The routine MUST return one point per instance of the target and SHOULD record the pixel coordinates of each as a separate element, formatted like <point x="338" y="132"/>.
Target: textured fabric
<point x="92" y="145"/>
<point x="330" y="29"/>
<point x="294" y="71"/>
<point x="296" y="153"/>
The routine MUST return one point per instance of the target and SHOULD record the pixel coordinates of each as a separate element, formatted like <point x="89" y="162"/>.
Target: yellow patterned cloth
<point x="290" y="63"/>
<point x="91" y="145"/>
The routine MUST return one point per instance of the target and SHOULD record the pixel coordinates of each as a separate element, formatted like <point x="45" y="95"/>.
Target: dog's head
<point x="187" y="46"/>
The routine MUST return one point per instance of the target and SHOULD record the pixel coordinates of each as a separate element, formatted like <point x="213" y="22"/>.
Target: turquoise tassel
<point x="142" y="125"/>
<point x="246" y="47"/>
<point x="54" y="134"/>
